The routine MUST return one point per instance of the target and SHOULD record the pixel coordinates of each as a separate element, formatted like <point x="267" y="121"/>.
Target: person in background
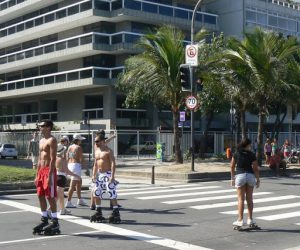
<point x="62" y="172"/>
<point x="268" y="150"/>
<point x="274" y="147"/>
<point x="75" y="161"/>
<point x="286" y="148"/>
<point x="244" y="176"/>
<point x="33" y="150"/>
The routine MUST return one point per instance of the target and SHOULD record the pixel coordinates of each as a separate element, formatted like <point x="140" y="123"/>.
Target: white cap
<point x="78" y="137"/>
<point x="64" y="137"/>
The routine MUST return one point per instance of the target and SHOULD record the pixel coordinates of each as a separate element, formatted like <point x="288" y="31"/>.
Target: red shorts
<point x="42" y="187"/>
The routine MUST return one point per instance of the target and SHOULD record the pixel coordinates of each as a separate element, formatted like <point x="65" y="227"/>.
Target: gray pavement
<point x="164" y="216"/>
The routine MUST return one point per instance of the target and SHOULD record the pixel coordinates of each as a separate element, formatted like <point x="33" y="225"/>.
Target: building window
<point x="93" y="107"/>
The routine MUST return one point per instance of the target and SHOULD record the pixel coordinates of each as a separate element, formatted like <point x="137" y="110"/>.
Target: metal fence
<point x="142" y="143"/>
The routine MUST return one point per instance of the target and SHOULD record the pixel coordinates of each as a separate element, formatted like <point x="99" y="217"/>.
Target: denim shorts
<point x="245" y="178"/>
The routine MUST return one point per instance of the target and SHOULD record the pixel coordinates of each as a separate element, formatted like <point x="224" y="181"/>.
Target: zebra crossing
<point x="269" y="206"/>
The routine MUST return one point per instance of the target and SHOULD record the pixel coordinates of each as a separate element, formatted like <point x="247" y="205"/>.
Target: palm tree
<point x="266" y="55"/>
<point x="154" y="75"/>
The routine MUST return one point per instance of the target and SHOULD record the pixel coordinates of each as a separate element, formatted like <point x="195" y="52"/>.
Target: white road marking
<point x="234" y="203"/>
<point x="266" y="208"/>
<point x="279" y="216"/>
<point x="15" y="211"/>
<point x="45" y="237"/>
<point x="185" y="194"/>
<point x="154" y="188"/>
<point x="208" y="198"/>
<point x="112" y="229"/>
<point x="170" y="190"/>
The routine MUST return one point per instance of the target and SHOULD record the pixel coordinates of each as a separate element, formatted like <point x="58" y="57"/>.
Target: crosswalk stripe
<point x="234" y="203"/>
<point x="101" y="227"/>
<point x="154" y="188"/>
<point x="186" y="194"/>
<point x="279" y="216"/>
<point x="169" y="190"/>
<point x="208" y="198"/>
<point x="267" y="208"/>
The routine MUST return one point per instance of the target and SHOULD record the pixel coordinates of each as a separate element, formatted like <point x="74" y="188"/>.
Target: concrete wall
<point x="231" y="15"/>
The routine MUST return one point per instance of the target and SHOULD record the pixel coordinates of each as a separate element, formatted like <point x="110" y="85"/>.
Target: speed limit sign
<point x="191" y="102"/>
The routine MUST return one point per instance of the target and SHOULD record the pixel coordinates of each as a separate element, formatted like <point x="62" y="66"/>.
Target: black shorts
<point x="61" y="181"/>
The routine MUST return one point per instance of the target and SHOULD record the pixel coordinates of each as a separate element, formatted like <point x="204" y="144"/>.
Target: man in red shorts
<point x="45" y="180"/>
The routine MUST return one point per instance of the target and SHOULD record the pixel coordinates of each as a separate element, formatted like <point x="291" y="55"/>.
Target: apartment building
<point x="60" y="59"/>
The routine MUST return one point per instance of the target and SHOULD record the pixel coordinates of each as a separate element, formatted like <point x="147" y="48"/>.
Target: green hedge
<point x="14" y="174"/>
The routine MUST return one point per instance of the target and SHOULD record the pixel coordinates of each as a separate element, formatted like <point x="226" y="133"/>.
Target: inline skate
<point x="97" y="216"/>
<point x="39" y="229"/>
<point x="115" y="216"/>
<point x="52" y="228"/>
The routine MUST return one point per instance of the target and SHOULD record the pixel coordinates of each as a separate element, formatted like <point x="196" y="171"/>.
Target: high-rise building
<point x="59" y="59"/>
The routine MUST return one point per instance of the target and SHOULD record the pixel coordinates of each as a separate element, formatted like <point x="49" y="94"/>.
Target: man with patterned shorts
<point x="105" y="166"/>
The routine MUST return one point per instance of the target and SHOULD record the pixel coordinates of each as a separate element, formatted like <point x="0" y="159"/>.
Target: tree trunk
<point x="209" y="117"/>
<point x="178" y="153"/>
<point x="243" y="124"/>
<point x="259" y="152"/>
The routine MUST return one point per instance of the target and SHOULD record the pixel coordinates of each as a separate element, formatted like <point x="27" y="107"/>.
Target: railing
<point x="48" y="17"/>
<point x="163" y="9"/>
<point x="71" y="75"/>
<point x="89" y="38"/>
<point x="32" y="117"/>
<point x="9" y="3"/>
<point x="104" y="5"/>
<point x="94" y="113"/>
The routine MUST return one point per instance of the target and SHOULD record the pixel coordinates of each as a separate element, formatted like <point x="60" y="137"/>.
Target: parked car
<point x="147" y="146"/>
<point x="8" y="150"/>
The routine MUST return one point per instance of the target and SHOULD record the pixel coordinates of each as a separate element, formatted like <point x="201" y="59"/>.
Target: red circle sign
<point x="191" y="52"/>
<point x="191" y="102"/>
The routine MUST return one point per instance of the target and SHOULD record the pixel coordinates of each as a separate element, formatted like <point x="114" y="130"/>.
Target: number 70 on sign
<point x="191" y="102"/>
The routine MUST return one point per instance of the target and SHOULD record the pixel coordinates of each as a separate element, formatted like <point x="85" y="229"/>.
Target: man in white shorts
<point x="33" y="150"/>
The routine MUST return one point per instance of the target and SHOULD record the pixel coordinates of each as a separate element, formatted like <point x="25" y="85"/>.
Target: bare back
<point x="74" y="154"/>
<point x="47" y="149"/>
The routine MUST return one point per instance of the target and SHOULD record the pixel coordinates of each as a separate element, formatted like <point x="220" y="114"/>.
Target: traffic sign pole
<point x="192" y="124"/>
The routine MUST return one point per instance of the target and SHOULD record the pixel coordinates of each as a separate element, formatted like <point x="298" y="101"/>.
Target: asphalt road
<point x="168" y="216"/>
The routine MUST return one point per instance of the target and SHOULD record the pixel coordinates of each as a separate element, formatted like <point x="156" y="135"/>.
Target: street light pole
<point x="192" y="90"/>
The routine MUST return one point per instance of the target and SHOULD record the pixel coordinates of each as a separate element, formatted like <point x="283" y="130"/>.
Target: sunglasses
<point x="97" y="141"/>
<point x="42" y="126"/>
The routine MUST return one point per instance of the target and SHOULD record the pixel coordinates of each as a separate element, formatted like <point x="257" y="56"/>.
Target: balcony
<point x="89" y="11"/>
<point x="11" y="9"/>
<point x="83" y="78"/>
<point x="160" y="13"/>
<point x="73" y="47"/>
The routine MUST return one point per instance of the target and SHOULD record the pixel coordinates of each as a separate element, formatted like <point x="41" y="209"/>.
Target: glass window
<point x="86" y="6"/>
<point x="30" y="44"/>
<point x="102" y="5"/>
<point x="210" y="19"/>
<point x="150" y="7"/>
<point x="86" y="74"/>
<point x="50" y="48"/>
<point x="48" y="69"/>
<point x="166" y="11"/>
<point x="28" y="83"/>
<point x="292" y="25"/>
<point x="181" y="13"/>
<point x="31" y="72"/>
<point x="134" y="5"/>
<point x="93" y="101"/>
<point x="49" y="106"/>
<point x="282" y="23"/>
<point x="61" y="14"/>
<point x="73" y="43"/>
<point x="73" y="76"/>
<point x="272" y="21"/>
<point x="85" y="40"/>
<point x="73" y="10"/>
<point x="251" y="15"/>
<point x="262" y="19"/>
<point x="61" y="46"/>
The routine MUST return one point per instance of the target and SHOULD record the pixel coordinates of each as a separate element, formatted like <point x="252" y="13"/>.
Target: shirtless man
<point x="105" y="166"/>
<point x="45" y="180"/>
